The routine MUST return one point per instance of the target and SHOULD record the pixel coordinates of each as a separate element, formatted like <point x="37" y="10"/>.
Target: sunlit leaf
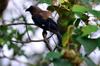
<point x="95" y="13"/>
<point x="1" y="41"/>
<point x="89" y="29"/>
<point x="45" y="1"/>
<point x="61" y="1"/>
<point x="60" y="9"/>
<point x="79" y="8"/>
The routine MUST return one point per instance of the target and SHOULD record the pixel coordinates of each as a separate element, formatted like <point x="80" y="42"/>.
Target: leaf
<point x="45" y="1"/>
<point x="79" y="8"/>
<point x="89" y="29"/>
<point x="30" y="28"/>
<point x="17" y="49"/>
<point x="62" y="62"/>
<point x="3" y="33"/>
<point x="60" y="10"/>
<point x="98" y="42"/>
<point x="89" y="44"/>
<point x="95" y="13"/>
<point x="31" y="65"/>
<point x="96" y="1"/>
<point x="19" y="36"/>
<point x="1" y="41"/>
<point x="89" y="62"/>
<point x="51" y="8"/>
<point x="62" y="1"/>
<point x="86" y="1"/>
<point x="53" y="55"/>
<point x="84" y="17"/>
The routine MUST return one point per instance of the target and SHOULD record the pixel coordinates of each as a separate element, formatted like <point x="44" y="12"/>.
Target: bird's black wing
<point x="49" y="25"/>
<point x="39" y="21"/>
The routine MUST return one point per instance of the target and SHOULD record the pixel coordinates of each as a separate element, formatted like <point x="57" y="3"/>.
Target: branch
<point x="32" y="40"/>
<point x="26" y="28"/>
<point x="13" y="58"/>
<point x="17" y="24"/>
<point x="25" y="41"/>
<point x="44" y="33"/>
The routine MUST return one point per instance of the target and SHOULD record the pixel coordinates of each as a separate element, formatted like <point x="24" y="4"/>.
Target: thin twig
<point x="17" y="24"/>
<point x="26" y="28"/>
<point x="44" y="33"/>
<point x="47" y="44"/>
<point x="14" y="59"/>
<point x="29" y="40"/>
<point x="32" y="40"/>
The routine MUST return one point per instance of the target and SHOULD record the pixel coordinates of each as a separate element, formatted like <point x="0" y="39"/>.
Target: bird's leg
<point x="44" y="33"/>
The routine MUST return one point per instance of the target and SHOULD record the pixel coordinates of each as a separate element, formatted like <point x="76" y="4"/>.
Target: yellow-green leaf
<point x="79" y="8"/>
<point x="61" y="1"/>
<point x="88" y="29"/>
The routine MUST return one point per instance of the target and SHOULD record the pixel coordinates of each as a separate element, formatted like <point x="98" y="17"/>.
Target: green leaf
<point x="79" y="8"/>
<point x="89" y="44"/>
<point x="64" y="22"/>
<point x="19" y="36"/>
<point x="51" y="8"/>
<point x="61" y="1"/>
<point x="89" y="29"/>
<point x="60" y="10"/>
<point x="31" y="65"/>
<point x="86" y="1"/>
<point x="17" y="49"/>
<point x="3" y="27"/>
<point x="85" y="18"/>
<point x="97" y="1"/>
<point x="45" y="1"/>
<point x="53" y="55"/>
<point x="98" y="42"/>
<point x="30" y="28"/>
<point x="95" y="13"/>
<point x="62" y="62"/>
<point x="1" y="41"/>
<point x="89" y="62"/>
<point x="3" y="33"/>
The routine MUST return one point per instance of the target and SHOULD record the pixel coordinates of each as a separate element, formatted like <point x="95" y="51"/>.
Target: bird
<point x="41" y="19"/>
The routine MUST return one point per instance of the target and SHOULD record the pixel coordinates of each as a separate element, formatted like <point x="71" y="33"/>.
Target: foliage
<point x="45" y="1"/>
<point x="73" y="35"/>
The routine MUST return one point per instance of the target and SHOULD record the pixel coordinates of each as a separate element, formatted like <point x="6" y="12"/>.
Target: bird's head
<point x="36" y="11"/>
<point x="30" y="8"/>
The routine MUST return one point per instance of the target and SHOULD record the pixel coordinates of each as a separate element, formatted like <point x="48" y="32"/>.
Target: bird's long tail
<point x="59" y="36"/>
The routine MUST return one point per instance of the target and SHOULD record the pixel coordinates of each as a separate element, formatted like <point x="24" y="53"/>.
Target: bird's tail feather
<point x="59" y="36"/>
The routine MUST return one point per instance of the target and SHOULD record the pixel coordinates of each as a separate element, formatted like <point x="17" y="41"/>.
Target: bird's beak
<point x="29" y="9"/>
<point x="26" y="10"/>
